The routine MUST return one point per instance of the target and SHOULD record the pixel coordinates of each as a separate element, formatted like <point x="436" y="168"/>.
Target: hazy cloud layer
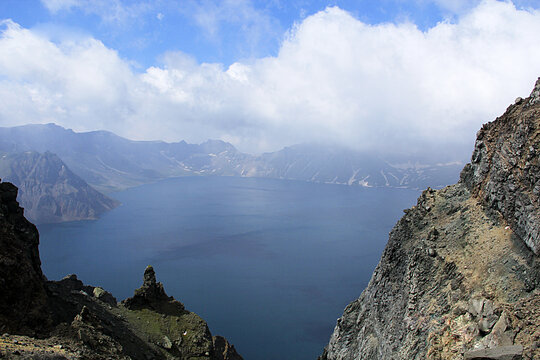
<point x="334" y="79"/>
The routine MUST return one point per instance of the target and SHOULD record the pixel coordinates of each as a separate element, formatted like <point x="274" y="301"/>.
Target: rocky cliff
<point x="22" y="296"/>
<point x="49" y="191"/>
<point x="67" y="319"/>
<point x="460" y="276"/>
<point x="504" y="172"/>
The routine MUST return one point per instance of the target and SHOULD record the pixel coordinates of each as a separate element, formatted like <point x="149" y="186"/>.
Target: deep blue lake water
<point x="269" y="264"/>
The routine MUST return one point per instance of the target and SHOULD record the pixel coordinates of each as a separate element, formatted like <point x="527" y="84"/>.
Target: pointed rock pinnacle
<point x="149" y="277"/>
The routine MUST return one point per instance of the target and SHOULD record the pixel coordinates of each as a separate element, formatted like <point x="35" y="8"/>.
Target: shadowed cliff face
<point x="459" y="278"/>
<point x="22" y="295"/>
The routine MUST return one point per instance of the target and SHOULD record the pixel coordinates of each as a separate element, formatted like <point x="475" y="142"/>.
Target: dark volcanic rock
<point x="458" y="274"/>
<point x="181" y="333"/>
<point x="22" y="294"/>
<point x="49" y="191"/>
<point x="223" y="350"/>
<point x="151" y="295"/>
<point x="67" y="319"/>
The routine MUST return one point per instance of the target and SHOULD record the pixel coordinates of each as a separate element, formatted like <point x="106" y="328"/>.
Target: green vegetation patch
<point x="186" y="335"/>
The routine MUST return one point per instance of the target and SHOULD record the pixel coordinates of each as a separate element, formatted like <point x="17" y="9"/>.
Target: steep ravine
<point x="66" y="319"/>
<point x="460" y="276"/>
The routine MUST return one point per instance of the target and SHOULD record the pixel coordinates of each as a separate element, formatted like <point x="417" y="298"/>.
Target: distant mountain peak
<point x="110" y="162"/>
<point x="49" y="191"/>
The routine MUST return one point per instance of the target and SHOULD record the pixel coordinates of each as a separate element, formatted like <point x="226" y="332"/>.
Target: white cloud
<point x="81" y="84"/>
<point x="335" y="78"/>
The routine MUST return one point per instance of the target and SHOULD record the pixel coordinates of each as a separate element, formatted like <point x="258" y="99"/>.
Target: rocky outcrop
<point x="22" y="296"/>
<point x="534" y="98"/>
<point x="459" y="278"/>
<point x="223" y="350"/>
<point x="171" y="327"/>
<point x="67" y="319"/>
<point x="151" y="295"/>
<point x="49" y="191"/>
<point x="505" y="168"/>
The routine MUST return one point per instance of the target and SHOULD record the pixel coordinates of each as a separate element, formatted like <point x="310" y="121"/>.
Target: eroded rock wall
<point x="505" y="167"/>
<point x="22" y="293"/>
<point x="460" y="276"/>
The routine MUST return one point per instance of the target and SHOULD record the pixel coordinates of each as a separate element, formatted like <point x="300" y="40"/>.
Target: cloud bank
<point x="335" y="79"/>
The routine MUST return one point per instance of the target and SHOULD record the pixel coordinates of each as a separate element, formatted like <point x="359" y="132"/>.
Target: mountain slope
<point x="49" y="191"/>
<point x="459" y="278"/>
<point x="338" y="165"/>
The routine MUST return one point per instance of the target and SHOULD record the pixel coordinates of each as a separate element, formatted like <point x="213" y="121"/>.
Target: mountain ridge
<point x="110" y="163"/>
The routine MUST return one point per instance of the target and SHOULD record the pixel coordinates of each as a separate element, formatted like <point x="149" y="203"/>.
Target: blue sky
<point x="264" y="74"/>
<point x="221" y="31"/>
<point x="143" y="30"/>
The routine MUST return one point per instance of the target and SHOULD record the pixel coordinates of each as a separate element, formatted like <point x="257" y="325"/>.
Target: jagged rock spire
<point x="149" y="277"/>
<point x="535" y="94"/>
<point x="151" y="294"/>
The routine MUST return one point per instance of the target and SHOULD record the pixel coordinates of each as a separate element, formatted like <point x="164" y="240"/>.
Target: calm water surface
<point x="269" y="264"/>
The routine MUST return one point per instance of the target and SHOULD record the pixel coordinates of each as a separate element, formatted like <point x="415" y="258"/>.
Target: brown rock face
<point x="22" y="296"/>
<point x="505" y="168"/>
<point x="460" y="275"/>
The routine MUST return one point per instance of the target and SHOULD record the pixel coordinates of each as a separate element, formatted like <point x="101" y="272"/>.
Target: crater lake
<point x="269" y="264"/>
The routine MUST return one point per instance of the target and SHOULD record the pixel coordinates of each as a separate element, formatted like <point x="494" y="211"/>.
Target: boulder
<point x="499" y="353"/>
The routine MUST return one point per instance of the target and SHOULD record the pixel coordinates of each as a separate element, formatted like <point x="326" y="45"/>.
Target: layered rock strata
<point x="504" y="172"/>
<point x="460" y="276"/>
